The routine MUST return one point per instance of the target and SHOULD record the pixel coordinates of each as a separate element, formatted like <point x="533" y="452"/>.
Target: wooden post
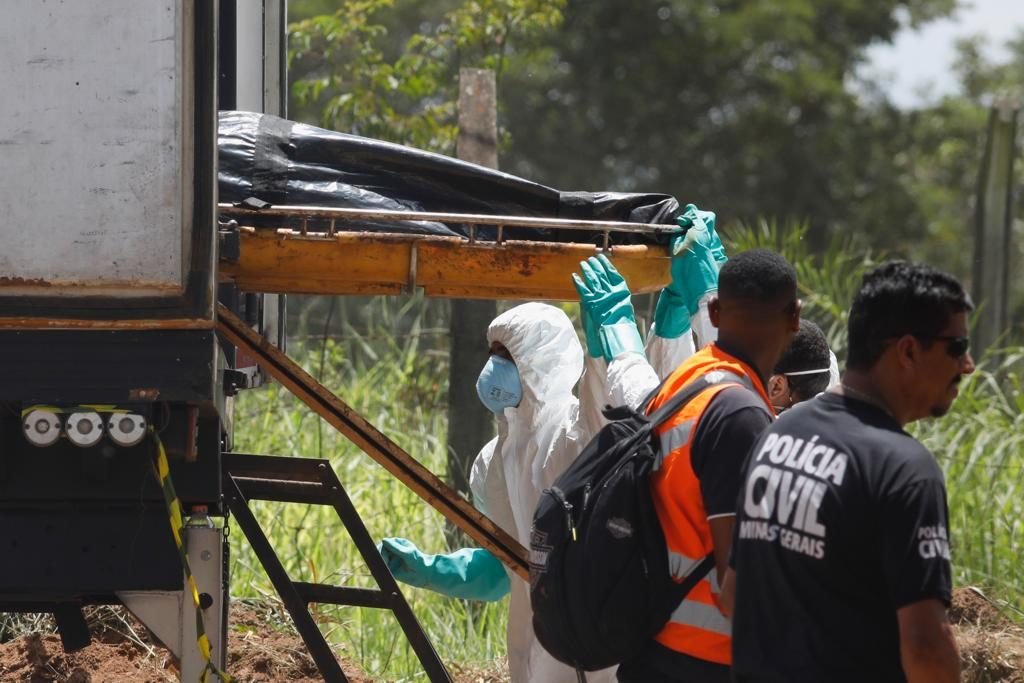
<point x="470" y="424"/>
<point x="993" y="227"/>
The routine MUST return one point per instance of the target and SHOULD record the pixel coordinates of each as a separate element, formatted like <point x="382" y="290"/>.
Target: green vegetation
<point x="401" y="389"/>
<point x="389" y="69"/>
<point x="394" y="373"/>
<point x="979" y="446"/>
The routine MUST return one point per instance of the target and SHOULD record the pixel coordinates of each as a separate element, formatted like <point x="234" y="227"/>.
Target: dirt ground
<point x="991" y="645"/>
<point x="263" y="650"/>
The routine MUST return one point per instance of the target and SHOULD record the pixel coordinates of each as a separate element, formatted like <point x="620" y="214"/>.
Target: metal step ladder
<point x="311" y="481"/>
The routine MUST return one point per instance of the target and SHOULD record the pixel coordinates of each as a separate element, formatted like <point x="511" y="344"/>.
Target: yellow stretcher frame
<point x="294" y="260"/>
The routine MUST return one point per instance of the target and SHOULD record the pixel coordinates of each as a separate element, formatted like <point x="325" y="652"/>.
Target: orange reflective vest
<point x="697" y="627"/>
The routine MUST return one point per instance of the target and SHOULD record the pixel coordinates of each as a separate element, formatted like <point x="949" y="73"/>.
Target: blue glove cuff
<point x="620" y="338"/>
<point x="671" y="315"/>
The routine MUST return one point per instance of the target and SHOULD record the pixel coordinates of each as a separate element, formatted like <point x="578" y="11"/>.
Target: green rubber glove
<point x="697" y="254"/>
<point x="591" y="333"/>
<point x="671" y="315"/>
<point x="694" y="267"/>
<point x="608" y="303"/>
<point x="467" y="573"/>
<point x="716" y="246"/>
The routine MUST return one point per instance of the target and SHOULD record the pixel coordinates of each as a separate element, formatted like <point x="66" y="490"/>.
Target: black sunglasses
<point x="956" y="347"/>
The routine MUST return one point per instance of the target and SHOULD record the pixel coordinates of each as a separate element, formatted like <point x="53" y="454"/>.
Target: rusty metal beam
<point x="287" y="262"/>
<point x="374" y="443"/>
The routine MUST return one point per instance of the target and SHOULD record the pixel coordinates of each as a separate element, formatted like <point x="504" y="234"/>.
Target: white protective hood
<point x="537" y="439"/>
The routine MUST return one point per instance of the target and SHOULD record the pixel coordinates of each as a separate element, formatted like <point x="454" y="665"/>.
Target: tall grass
<point x="980" y="446"/>
<point x="402" y="389"/>
<point x="394" y="371"/>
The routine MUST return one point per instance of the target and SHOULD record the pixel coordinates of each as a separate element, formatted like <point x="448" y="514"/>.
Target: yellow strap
<point x="177" y="525"/>
<point x="46" y="409"/>
<point x="104" y="408"/>
<point x="99" y="408"/>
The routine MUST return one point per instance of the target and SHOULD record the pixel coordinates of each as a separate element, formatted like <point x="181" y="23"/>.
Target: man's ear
<point x="907" y="350"/>
<point x="778" y="387"/>
<point x="714" y="311"/>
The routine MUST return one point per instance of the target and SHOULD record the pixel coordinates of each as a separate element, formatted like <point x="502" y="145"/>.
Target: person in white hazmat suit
<point x="536" y="361"/>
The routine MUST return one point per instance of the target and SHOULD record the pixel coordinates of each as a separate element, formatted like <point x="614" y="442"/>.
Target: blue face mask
<point x="498" y="385"/>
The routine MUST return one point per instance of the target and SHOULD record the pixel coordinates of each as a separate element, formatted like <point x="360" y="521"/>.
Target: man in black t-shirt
<point x="704" y="446"/>
<point x="840" y="565"/>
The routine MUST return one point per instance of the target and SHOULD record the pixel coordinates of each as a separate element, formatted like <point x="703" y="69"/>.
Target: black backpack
<point x="600" y="585"/>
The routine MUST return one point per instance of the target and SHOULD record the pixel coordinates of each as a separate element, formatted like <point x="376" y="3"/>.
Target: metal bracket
<point x="229" y="244"/>
<point x="236" y="380"/>
<point x="171" y="615"/>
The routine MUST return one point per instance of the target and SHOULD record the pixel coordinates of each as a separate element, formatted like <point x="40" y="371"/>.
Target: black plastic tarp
<point x="285" y="162"/>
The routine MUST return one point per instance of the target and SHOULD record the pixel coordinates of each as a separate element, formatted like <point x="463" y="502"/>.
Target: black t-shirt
<point x="730" y="425"/>
<point x="842" y="520"/>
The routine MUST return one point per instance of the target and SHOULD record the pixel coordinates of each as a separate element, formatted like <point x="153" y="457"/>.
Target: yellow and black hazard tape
<point x="98" y="408"/>
<point x="176" y="519"/>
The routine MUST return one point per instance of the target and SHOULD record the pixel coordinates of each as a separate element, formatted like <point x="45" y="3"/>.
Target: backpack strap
<point x="676" y="402"/>
<point x="696" y="576"/>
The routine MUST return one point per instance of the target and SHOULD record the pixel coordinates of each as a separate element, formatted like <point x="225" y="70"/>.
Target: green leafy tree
<point x="753" y="107"/>
<point x="743" y="105"/>
<point x="388" y="70"/>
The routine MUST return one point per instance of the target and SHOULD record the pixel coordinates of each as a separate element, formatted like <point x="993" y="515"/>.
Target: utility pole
<point x="993" y="226"/>
<point x="470" y="424"/>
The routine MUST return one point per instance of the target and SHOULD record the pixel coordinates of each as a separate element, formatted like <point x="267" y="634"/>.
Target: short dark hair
<point x="807" y="351"/>
<point x="759" y="277"/>
<point x="899" y="298"/>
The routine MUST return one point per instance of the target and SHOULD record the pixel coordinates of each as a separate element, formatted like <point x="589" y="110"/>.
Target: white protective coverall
<point x="539" y="439"/>
<point x="631" y="377"/>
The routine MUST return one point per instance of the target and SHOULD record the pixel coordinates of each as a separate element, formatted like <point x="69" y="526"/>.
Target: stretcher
<point x="302" y="250"/>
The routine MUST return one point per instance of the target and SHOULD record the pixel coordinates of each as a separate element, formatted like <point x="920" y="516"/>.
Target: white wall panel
<point x="93" y="97"/>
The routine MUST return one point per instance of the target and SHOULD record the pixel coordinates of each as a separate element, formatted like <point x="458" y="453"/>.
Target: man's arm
<point x="918" y="574"/>
<point x="928" y="650"/>
<point x="630" y="379"/>
<point x="721" y="536"/>
<point x="727" y="430"/>
<point x="727" y="600"/>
